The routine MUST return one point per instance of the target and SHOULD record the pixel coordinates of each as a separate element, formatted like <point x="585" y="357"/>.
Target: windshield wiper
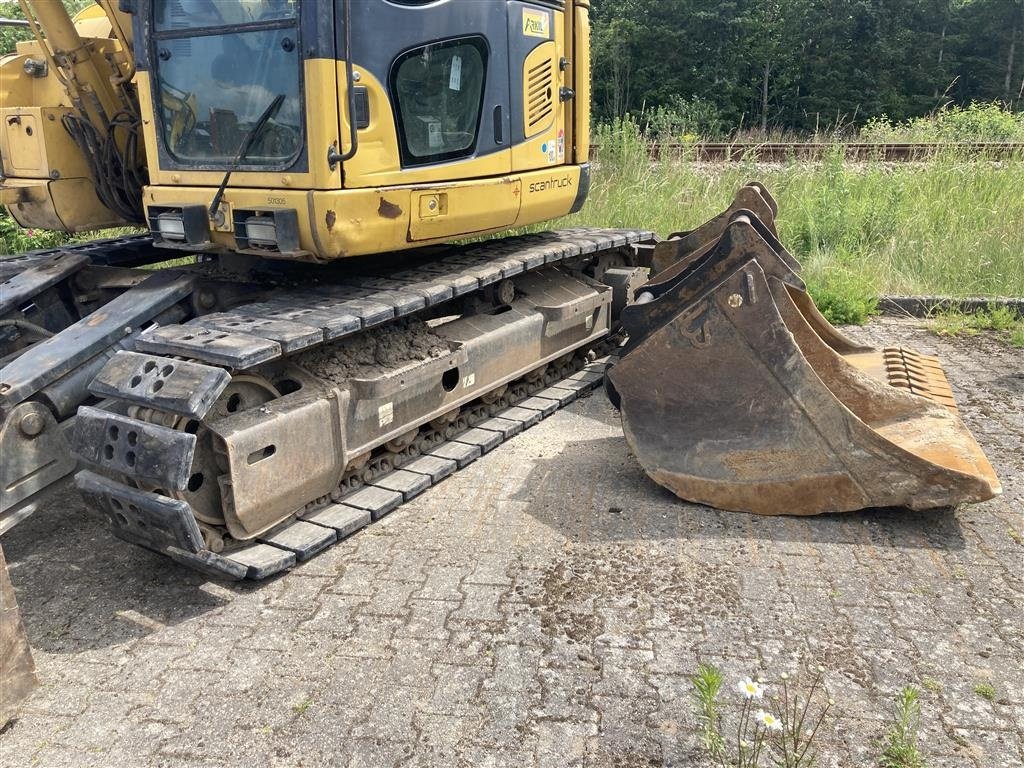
<point x="246" y="145"/>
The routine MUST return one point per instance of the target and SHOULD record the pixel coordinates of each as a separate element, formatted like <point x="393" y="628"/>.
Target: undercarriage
<point x="239" y="416"/>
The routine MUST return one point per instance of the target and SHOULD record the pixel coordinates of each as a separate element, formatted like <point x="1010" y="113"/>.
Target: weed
<point x="1005" y="325"/>
<point x="986" y="691"/>
<point x="302" y="706"/>
<point x="782" y="733"/>
<point x="931" y="684"/>
<point x="1015" y="535"/>
<point x="901" y="750"/>
<point x="707" y="684"/>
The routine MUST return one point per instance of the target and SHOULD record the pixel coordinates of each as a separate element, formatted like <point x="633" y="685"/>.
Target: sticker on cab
<point x="536" y="23"/>
<point x="550" y="149"/>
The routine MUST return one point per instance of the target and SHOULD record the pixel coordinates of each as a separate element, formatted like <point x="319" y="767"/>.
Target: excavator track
<point x="246" y="438"/>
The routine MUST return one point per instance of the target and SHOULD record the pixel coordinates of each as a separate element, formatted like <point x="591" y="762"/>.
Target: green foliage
<point x="684" y="120"/>
<point x="707" y="684"/>
<point x="998" y="319"/>
<point x="774" y="724"/>
<point x="805" y="65"/>
<point x="844" y="296"/>
<point x="986" y="691"/>
<point x="976" y="122"/>
<point x="949" y="226"/>
<point x="11" y="9"/>
<point x="901" y="750"/>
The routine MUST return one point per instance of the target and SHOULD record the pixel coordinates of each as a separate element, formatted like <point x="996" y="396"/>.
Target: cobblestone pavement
<point x="542" y="608"/>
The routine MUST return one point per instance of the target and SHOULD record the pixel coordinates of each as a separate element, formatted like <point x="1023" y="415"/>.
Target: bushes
<point x="977" y="122"/>
<point x="14" y="239"/>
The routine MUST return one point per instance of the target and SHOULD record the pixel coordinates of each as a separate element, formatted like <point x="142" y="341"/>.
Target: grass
<point x="901" y="749"/>
<point x="986" y="691"/>
<point x="951" y="226"/>
<point x="1000" y="320"/>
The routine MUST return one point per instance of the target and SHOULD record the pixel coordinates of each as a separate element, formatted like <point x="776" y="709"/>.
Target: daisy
<point x="768" y="720"/>
<point x="750" y="688"/>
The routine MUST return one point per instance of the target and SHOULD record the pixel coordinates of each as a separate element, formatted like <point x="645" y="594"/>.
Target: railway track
<point x="774" y="152"/>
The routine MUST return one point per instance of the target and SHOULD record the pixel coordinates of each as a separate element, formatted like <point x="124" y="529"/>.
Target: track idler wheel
<point x="735" y="392"/>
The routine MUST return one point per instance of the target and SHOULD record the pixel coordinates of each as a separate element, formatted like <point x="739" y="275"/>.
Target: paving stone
<point x="547" y="599"/>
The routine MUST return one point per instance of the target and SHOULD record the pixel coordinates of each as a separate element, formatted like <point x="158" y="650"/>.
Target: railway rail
<point x="724" y="152"/>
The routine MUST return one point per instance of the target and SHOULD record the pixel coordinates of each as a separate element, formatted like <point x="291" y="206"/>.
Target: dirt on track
<point x="368" y="354"/>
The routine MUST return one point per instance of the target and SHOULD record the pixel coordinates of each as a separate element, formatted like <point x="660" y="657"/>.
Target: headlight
<point x="170" y="226"/>
<point x="261" y="231"/>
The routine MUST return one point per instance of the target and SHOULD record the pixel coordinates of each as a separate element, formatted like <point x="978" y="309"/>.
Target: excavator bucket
<point x="17" y="672"/>
<point x="735" y="392"/>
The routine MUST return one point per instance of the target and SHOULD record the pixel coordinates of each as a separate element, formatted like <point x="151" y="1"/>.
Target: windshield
<point x="213" y="84"/>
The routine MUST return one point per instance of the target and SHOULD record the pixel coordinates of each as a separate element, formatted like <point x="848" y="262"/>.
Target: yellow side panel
<point x="540" y="89"/>
<point x="543" y="113"/>
<point x="34" y="145"/>
<point x="68" y="205"/>
<point x="548" y="195"/>
<point x="356" y="222"/>
<point x="581" y="82"/>
<point x="455" y="211"/>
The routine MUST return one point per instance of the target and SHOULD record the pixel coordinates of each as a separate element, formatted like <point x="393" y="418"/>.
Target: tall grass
<point x="953" y="225"/>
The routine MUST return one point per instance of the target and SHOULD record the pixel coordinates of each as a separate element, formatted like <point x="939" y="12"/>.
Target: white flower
<point x="750" y="689"/>
<point x="768" y="720"/>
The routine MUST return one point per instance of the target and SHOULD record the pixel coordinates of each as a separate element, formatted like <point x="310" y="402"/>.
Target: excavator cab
<point x="394" y="125"/>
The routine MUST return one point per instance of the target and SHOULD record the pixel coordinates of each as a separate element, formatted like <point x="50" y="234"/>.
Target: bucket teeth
<point x="736" y="392"/>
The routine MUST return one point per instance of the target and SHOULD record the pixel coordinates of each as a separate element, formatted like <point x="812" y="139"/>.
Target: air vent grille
<point x="540" y="96"/>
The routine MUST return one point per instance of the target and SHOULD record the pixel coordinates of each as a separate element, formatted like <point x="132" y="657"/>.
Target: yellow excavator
<point x="306" y="337"/>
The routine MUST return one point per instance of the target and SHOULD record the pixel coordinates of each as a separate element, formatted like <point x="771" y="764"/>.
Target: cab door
<point x="433" y="91"/>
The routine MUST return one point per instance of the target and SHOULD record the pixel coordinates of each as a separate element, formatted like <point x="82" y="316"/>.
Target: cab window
<point x="439" y="91"/>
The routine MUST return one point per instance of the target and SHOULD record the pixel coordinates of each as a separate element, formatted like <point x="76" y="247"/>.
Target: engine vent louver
<point x="540" y="96"/>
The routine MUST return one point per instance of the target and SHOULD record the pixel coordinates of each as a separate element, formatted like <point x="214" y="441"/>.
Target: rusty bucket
<point x="735" y="392"/>
<point x="17" y="671"/>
